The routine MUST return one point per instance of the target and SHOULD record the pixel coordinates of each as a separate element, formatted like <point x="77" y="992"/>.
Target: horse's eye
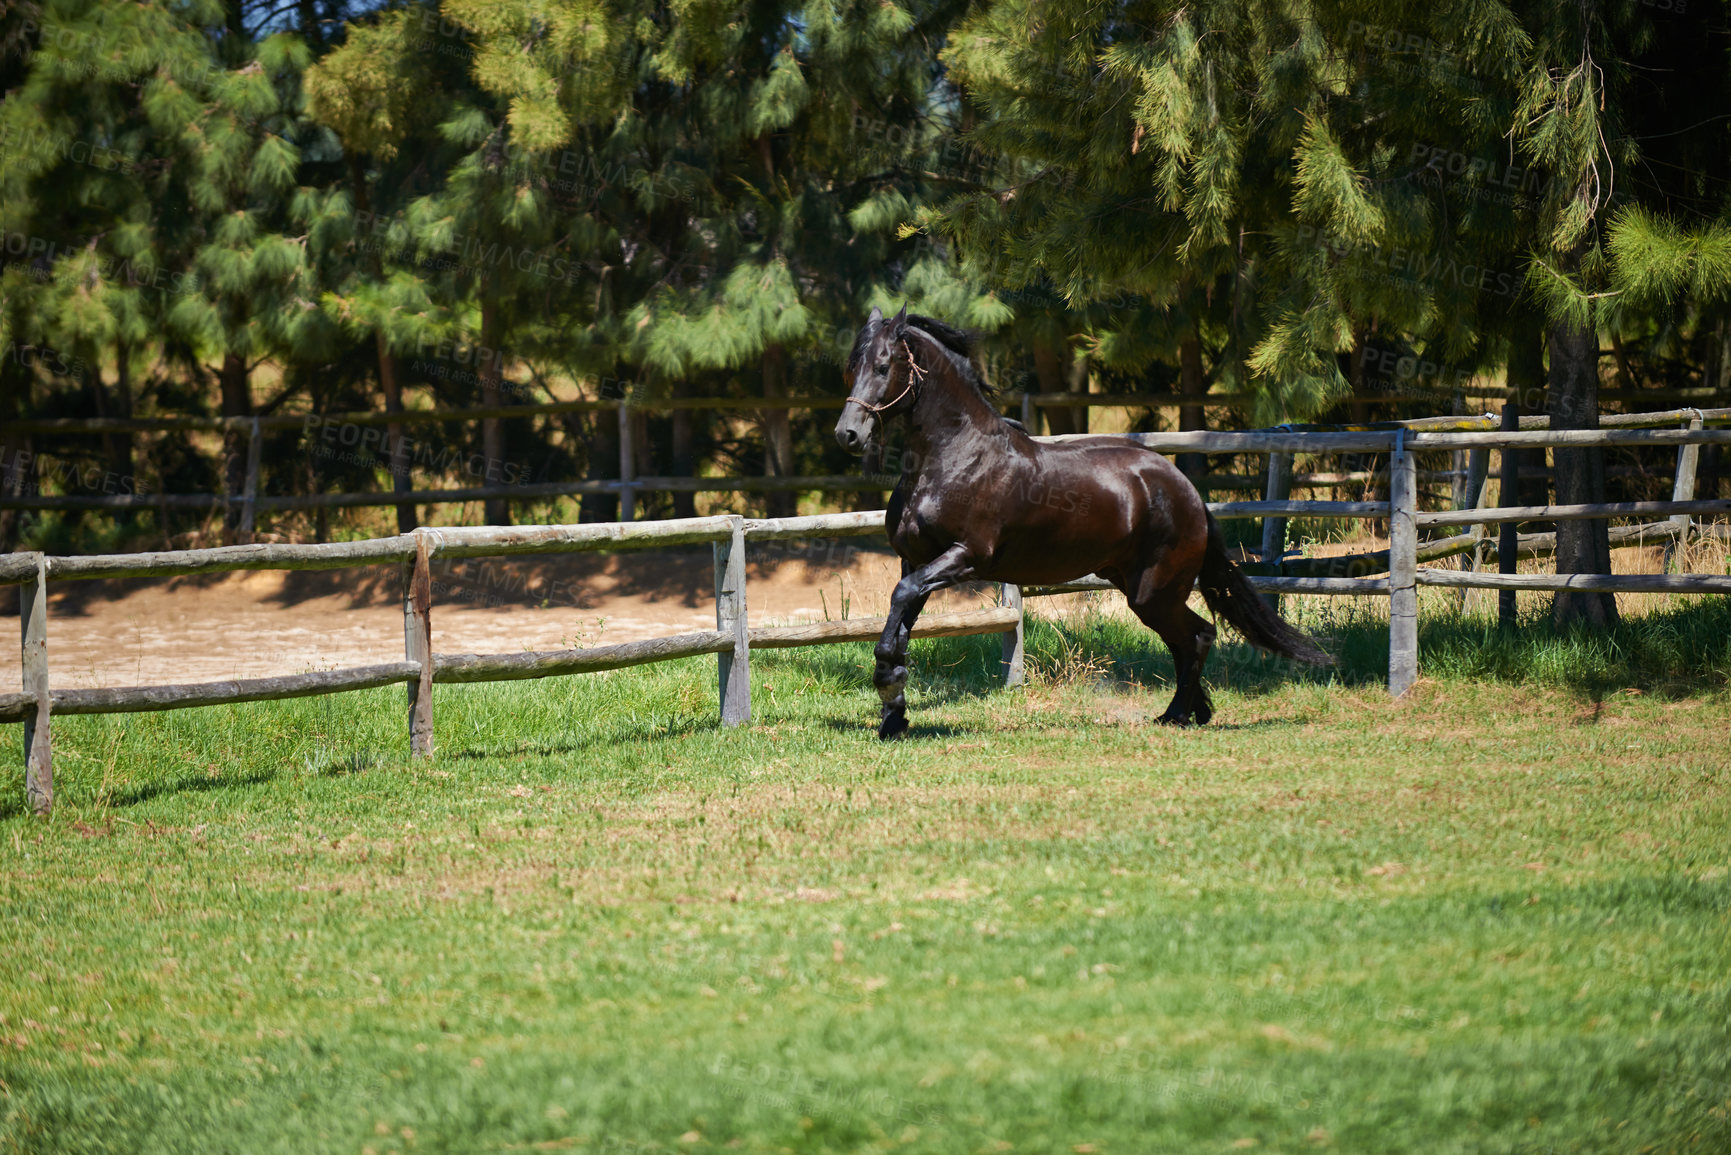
<point x="884" y="365"/>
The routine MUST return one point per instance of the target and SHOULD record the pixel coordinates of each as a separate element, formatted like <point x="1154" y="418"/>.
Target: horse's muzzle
<point x="853" y="434"/>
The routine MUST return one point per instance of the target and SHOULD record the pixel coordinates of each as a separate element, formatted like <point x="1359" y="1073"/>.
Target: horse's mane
<point x="959" y="345"/>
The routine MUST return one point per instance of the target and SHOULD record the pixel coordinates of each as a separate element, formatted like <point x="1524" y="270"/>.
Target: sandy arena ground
<point x="249" y="625"/>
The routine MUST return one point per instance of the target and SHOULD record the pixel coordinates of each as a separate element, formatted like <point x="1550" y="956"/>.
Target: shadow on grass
<point x="915" y="732"/>
<point x="1677" y="652"/>
<point x="13" y="807"/>
<point x="186" y="784"/>
<point x="574" y="743"/>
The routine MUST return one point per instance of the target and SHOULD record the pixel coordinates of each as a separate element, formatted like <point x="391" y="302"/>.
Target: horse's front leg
<point x="890" y="674"/>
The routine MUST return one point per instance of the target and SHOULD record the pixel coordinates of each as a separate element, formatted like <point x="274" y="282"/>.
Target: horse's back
<point x="1090" y="505"/>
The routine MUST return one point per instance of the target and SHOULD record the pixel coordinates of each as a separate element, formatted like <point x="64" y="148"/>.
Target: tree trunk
<point x="1076" y="382"/>
<point x="321" y="513"/>
<point x="777" y="433"/>
<point x="1055" y="368"/>
<point x="1358" y="411"/>
<point x="236" y="402"/>
<point x="601" y="437"/>
<point x="1526" y="376"/>
<point x="120" y="444"/>
<point x="116" y="447"/>
<point x="399" y="449"/>
<point x="1582" y="546"/>
<point x="14" y="446"/>
<point x="1191" y="416"/>
<point x="684" y="459"/>
<point x="497" y="510"/>
<point x="1719" y="376"/>
<point x="388" y="380"/>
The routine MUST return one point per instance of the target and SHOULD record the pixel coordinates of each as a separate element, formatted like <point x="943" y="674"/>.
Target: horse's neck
<point x="950" y="409"/>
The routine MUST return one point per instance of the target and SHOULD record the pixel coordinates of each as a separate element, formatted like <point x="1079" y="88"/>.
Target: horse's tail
<point x="1229" y="594"/>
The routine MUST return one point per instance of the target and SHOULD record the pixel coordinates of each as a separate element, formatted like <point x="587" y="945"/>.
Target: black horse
<point x="979" y="499"/>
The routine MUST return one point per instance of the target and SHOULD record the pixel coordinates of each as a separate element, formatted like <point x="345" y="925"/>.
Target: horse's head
<point x="879" y="379"/>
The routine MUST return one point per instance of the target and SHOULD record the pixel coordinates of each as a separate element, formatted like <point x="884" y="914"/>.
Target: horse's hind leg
<point x="1203" y="631"/>
<point x="1189" y="637"/>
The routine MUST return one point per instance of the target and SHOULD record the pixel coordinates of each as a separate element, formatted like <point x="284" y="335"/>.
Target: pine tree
<point x="152" y="149"/>
<point x="773" y="129"/>
<point x="537" y="73"/>
<point x="368" y="92"/>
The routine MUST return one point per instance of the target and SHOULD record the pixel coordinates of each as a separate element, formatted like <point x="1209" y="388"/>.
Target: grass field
<point x="1489" y="918"/>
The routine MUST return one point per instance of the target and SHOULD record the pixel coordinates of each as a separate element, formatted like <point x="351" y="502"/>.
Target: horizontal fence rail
<point x="1370" y="438"/>
<point x="276" y="421"/>
<point x="1392" y="573"/>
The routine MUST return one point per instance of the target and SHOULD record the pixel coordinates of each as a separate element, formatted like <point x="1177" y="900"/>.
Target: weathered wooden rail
<point x="1394" y="573"/>
<point x="250" y="502"/>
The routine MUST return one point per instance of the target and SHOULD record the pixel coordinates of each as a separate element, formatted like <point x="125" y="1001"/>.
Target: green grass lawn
<point x="1492" y="917"/>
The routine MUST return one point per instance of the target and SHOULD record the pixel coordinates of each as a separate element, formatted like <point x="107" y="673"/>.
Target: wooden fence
<point x="249" y="502"/>
<point x="733" y="639"/>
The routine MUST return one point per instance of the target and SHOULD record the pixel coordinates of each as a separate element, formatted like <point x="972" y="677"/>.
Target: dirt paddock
<point x="149" y="631"/>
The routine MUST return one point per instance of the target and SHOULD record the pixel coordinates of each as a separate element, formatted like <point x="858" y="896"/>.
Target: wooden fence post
<point x="1683" y="489"/>
<point x="627" y="465"/>
<point x="733" y="670"/>
<point x="249" y="499"/>
<point x="1402" y="569"/>
<point x="1274" y="528"/>
<point x="1028" y="415"/>
<point x="1509" y="536"/>
<point x="38" y="737"/>
<point x="418" y="646"/>
<point x="1010" y="597"/>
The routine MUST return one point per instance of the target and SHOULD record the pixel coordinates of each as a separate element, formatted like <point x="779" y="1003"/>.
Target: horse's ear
<point x="900" y="322"/>
<point x="877" y="315"/>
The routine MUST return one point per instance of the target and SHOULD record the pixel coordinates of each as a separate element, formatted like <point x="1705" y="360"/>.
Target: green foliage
<point x="367" y="90"/>
<point x="1659" y="262"/>
<point x="707" y="198"/>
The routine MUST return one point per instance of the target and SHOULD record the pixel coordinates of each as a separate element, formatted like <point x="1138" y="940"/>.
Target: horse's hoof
<point x="893" y="727"/>
<point x="1171" y="719"/>
<point x="1204" y="715"/>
